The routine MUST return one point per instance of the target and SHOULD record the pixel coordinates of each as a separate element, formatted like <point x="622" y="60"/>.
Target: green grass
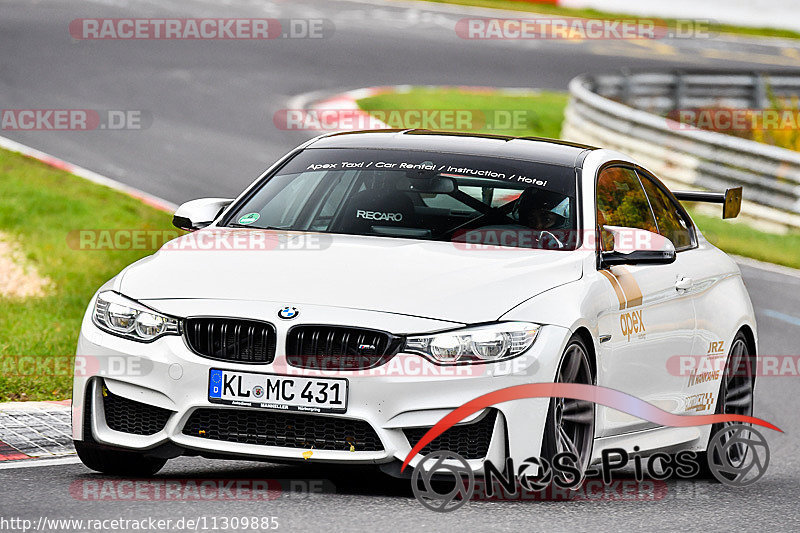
<point x="547" y="116"/>
<point x="40" y="206"/>
<point x="740" y="239"/>
<point x="502" y="114"/>
<point x="547" y="9"/>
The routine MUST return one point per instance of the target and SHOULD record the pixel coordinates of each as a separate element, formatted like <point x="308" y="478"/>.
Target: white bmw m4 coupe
<point x="369" y="283"/>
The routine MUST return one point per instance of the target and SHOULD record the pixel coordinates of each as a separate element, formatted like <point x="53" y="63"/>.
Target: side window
<point x="672" y="221"/>
<point x="621" y="201"/>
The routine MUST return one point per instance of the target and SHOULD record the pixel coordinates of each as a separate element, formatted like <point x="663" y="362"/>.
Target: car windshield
<point x="417" y="195"/>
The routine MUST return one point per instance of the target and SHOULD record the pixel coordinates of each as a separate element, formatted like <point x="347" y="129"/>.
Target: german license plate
<point x="273" y="391"/>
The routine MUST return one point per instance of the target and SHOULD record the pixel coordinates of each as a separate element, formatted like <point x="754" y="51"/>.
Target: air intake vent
<point x="231" y="339"/>
<point x="471" y="441"/>
<point x="339" y="348"/>
<point x="287" y="430"/>
<point x="129" y="416"/>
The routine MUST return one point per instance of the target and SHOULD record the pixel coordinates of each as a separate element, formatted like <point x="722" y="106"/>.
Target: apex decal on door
<point x="632" y="323"/>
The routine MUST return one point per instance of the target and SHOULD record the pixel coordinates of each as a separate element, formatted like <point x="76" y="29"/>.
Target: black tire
<point x="570" y="423"/>
<point x="117" y="462"/>
<point x="735" y="395"/>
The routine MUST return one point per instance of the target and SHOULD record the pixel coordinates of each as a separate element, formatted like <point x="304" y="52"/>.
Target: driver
<point x="535" y="209"/>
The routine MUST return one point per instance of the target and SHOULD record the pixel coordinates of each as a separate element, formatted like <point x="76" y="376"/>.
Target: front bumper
<point x="413" y="394"/>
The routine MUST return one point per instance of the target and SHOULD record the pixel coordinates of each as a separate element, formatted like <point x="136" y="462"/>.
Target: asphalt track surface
<point x="212" y="105"/>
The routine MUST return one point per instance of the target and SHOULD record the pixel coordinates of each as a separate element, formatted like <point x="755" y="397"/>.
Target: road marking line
<point x="34" y="463"/>
<point x="659" y="48"/>
<point x="748" y="57"/>
<point x="630" y="51"/>
<point x="791" y="52"/>
<point x="793" y="320"/>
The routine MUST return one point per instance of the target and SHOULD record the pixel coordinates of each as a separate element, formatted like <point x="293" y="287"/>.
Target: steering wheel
<point x="544" y="233"/>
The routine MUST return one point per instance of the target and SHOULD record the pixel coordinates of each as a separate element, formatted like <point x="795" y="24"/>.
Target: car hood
<point x="441" y="280"/>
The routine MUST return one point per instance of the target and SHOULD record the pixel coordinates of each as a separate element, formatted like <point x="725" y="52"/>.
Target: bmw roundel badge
<point x="288" y="313"/>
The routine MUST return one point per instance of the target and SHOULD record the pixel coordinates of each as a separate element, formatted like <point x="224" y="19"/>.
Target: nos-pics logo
<point x="443" y="481"/>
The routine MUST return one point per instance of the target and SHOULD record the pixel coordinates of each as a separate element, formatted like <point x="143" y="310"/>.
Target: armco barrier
<point x="609" y="111"/>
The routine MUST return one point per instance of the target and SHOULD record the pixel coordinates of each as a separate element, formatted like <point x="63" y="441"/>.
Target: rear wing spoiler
<point x="731" y="199"/>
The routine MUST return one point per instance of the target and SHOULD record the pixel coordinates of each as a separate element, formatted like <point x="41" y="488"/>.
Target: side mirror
<point x="633" y="246"/>
<point x="198" y="214"/>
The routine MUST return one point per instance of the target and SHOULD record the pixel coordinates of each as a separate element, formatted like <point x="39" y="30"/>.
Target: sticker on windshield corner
<point x="249" y="218"/>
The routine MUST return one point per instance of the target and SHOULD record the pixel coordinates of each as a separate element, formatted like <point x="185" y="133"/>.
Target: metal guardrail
<point x="625" y="112"/>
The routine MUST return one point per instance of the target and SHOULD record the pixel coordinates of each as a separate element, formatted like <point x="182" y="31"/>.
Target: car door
<point x="699" y="271"/>
<point x="653" y="320"/>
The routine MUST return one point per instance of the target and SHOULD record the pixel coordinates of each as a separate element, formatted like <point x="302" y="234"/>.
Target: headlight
<point x="480" y="344"/>
<point x="124" y="317"/>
